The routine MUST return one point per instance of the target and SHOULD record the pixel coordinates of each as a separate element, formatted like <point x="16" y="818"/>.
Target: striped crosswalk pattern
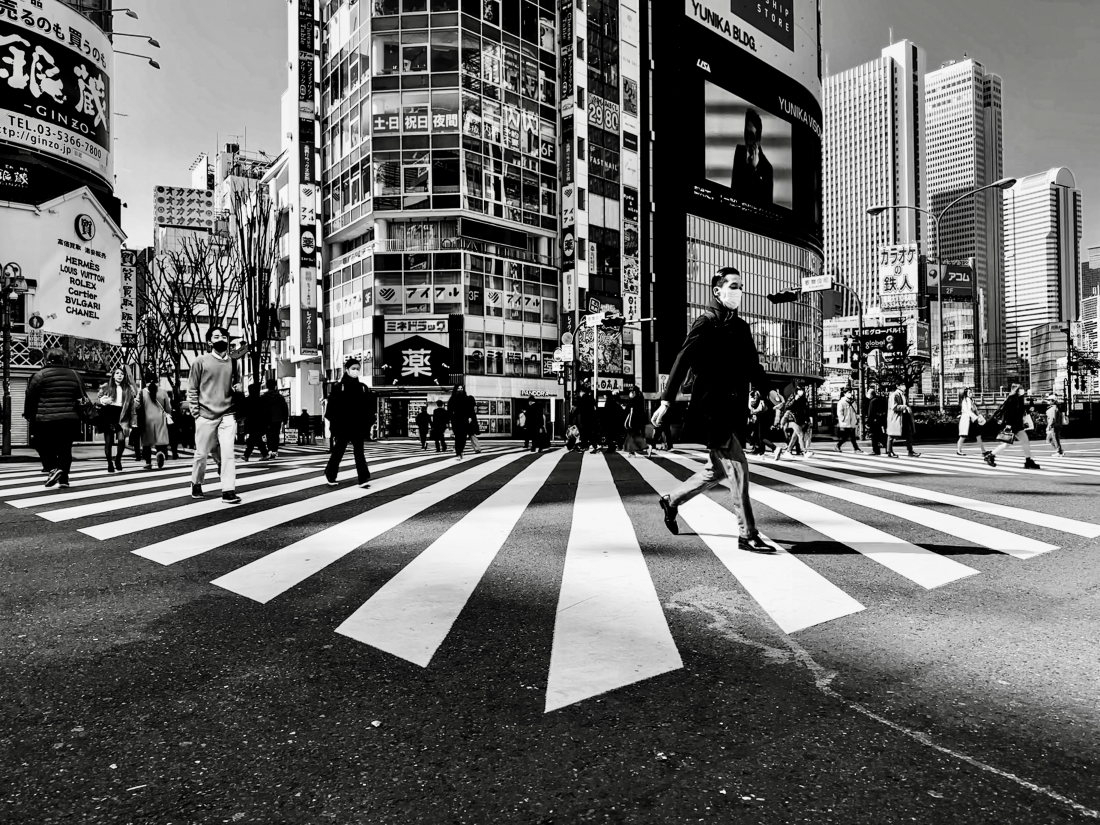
<point x="609" y="628"/>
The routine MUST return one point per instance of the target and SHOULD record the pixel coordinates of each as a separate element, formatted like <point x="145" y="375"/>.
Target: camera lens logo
<point x="85" y="227"/>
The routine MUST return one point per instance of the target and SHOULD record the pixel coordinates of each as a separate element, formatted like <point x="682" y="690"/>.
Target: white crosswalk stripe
<point x="610" y="628"/>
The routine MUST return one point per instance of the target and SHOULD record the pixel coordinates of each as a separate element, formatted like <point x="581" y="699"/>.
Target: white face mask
<point x="353" y="372"/>
<point x="730" y="297"/>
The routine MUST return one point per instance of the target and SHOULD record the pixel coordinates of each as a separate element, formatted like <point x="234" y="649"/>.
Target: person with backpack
<point x="1055" y="421"/>
<point x="54" y="400"/>
<point x="720" y="351"/>
<point x="350" y="411"/>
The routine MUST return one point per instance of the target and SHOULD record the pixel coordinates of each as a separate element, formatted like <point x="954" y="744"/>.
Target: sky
<point x="224" y="70"/>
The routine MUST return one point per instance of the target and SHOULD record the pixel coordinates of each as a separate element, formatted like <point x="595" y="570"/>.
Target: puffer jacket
<point x="52" y="395"/>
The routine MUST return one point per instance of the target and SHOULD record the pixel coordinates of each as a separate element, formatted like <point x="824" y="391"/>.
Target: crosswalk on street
<point x="839" y="526"/>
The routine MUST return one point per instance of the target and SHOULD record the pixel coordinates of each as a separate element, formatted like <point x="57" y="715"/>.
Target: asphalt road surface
<point x="517" y="638"/>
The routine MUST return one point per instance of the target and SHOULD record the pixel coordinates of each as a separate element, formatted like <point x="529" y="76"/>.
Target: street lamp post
<point x="12" y="285"/>
<point x="1003" y="183"/>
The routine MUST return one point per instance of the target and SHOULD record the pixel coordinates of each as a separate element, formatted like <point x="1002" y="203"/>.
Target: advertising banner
<point x="781" y="33"/>
<point x="899" y="275"/>
<point x="958" y="280"/>
<point x="55" y="84"/>
<point x="183" y="207"/>
<point x="128" y="299"/>
<point x="752" y="123"/>
<point x="74" y="253"/>
<point x="891" y="342"/>
<point x="416" y="361"/>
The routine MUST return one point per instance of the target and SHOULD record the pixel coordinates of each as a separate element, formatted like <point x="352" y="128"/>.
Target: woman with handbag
<point x="899" y="422"/>
<point x="1012" y="413"/>
<point x="116" y="413"/>
<point x="971" y="422"/>
<point x="154" y="417"/>
<point x="56" y="403"/>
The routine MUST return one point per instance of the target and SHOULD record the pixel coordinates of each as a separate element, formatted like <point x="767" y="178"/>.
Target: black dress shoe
<point x="914" y="454"/>
<point x="754" y="544"/>
<point x="892" y="455"/>
<point x="670" y="515"/>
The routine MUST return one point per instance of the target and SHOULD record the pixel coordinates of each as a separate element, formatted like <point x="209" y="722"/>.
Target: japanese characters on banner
<point x="55" y="84"/>
<point x="128" y="299"/>
<point x="899" y="274"/>
<point x="416" y="325"/>
<point x="183" y="207"/>
<point x="305" y="235"/>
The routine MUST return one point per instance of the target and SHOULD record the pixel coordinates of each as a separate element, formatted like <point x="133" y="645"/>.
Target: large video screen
<point x="752" y="154"/>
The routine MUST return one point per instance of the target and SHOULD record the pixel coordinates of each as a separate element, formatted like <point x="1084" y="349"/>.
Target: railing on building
<point x="445" y="245"/>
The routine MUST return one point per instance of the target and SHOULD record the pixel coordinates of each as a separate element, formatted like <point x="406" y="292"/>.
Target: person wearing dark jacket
<point x="277" y="413"/>
<point x="458" y="411"/>
<point x="474" y="425"/>
<point x="635" y="422"/>
<point x="350" y="412"/>
<point x="612" y="422"/>
<point x="116" y="416"/>
<point x="584" y="417"/>
<point x="53" y="396"/>
<point x="720" y="350"/>
<point x="439" y="427"/>
<point x="876" y="420"/>
<point x="423" y="424"/>
<point x="255" y="424"/>
<point x="1012" y="414"/>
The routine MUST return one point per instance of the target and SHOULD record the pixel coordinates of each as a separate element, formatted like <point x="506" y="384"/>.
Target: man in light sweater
<point x="210" y="388"/>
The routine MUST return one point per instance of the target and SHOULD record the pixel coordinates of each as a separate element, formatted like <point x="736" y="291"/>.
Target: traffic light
<point x="786" y="297"/>
<point x="613" y="319"/>
<point x="844" y="349"/>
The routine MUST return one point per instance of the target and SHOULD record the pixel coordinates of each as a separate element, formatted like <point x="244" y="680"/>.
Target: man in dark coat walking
<point x="350" y="412"/>
<point x="423" y="424"/>
<point x="584" y="417"/>
<point x="721" y="352"/>
<point x="53" y="394"/>
<point x="876" y="420"/>
<point x="278" y="414"/>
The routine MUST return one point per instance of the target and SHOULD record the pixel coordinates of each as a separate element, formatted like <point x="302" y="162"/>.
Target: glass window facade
<point x="788" y="336"/>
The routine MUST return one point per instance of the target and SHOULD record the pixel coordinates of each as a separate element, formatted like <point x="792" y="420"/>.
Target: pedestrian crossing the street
<point x="610" y="628"/>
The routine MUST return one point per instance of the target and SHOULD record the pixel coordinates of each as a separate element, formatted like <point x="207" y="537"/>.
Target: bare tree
<point x="903" y="368"/>
<point x="254" y="257"/>
<point x="167" y="313"/>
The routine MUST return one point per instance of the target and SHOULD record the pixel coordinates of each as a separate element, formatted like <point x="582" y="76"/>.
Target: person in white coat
<point x="899" y="422"/>
<point x="847" y="420"/>
<point x="970" y="422"/>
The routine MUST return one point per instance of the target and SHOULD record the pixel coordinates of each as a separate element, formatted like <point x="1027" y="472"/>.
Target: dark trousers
<point x="460" y="443"/>
<point x="845" y="435"/>
<point x="273" y="433"/>
<point x="147" y="452"/>
<point x="440" y="442"/>
<point x="253" y="441"/>
<point x="54" y="441"/>
<point x="523" y="431"/>
<point x="878" y="438"/>
<point x="423" y="439"/>
<point x="336" y="455"/>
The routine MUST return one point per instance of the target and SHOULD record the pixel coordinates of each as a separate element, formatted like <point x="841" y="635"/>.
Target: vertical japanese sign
<point x="55" y="86"/>
<point x="128" y="294"/>
<point x="305" y="234"/>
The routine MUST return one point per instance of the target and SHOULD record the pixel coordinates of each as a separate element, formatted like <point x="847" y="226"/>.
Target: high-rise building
<point x="964" y="144"/>
<point x="1090" y="273"/>
<point x="874" y="156"/>
<point x="1042" y="219"/>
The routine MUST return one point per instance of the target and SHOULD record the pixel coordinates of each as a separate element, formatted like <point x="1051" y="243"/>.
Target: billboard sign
<point x="74" y="251"/>
<point x="128" y="299"/>
<point x="753" y="118"/>
<point x="781" y="33"/>
<point x="55" y="84"/>
<point x="891" y="342"/>
<point x="958" y="280"/>
<point x="899" y="275"/>
<point x="183" y="207"/>
<point x="920" y="334"/>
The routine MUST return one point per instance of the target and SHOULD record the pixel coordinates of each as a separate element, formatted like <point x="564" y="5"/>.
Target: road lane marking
<point x="148" y="521"/>
<point x="1040" y="519"/>
<point x="412" y="613"/>
<point x="795" y="595"/>
<point x="277" y="572"/>
<point x="610" y="629"/>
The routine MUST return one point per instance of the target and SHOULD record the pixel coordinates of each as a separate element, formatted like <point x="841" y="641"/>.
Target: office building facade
<point x="874" y="155"/>
<point x="1042" y="219"/>
<point x="964" y="146"/>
